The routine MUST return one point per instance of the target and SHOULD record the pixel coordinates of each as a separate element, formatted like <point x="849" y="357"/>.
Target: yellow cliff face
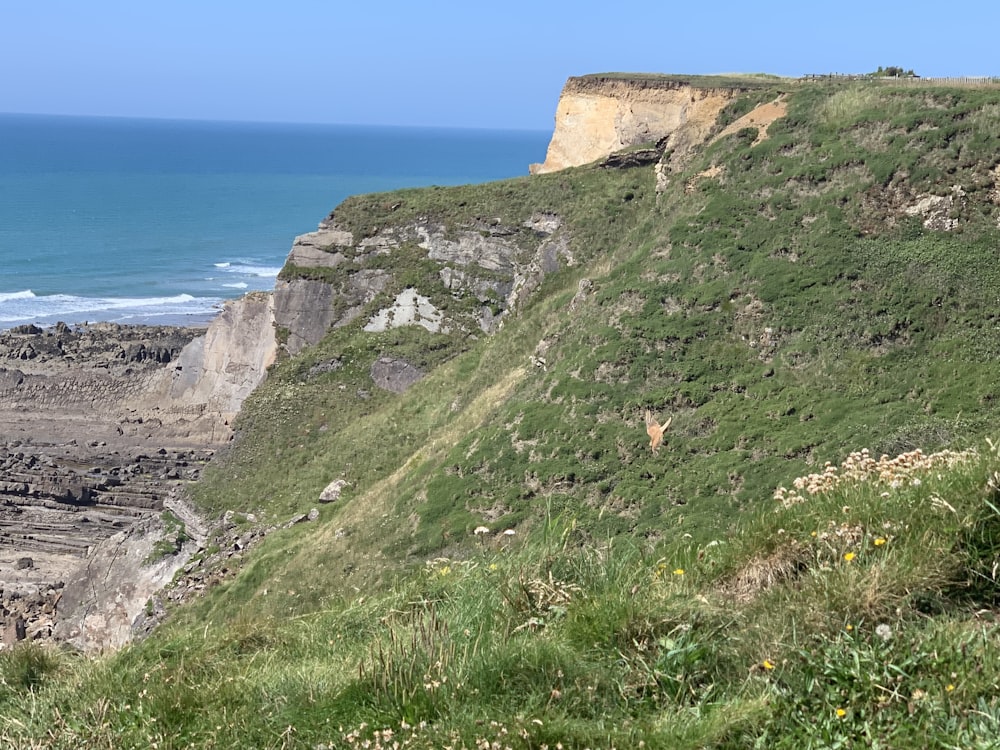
<point x="598" y="116"/>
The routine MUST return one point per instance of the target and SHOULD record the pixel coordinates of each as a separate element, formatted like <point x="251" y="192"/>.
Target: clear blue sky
<point x="441" y="62"/>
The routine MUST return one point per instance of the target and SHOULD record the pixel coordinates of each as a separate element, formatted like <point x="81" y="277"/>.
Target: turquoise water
<point x="145" y="221"/>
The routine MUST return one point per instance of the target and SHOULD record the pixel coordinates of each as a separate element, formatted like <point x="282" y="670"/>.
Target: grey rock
<point x="394" y="374"/>
<point x="331" y="492"/>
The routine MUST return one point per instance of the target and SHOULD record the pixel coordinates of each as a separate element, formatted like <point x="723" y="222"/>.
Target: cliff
<point x="197" y="397"/>
<point x="493" y="535"/>
<point x="599" y="115"/>
<point x="421" y="270"/>
<point x="104" y="427"/>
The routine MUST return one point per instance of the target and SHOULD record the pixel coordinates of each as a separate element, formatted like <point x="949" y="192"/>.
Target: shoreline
<point x="85" y="453"/>
<point x="164" y="320"/>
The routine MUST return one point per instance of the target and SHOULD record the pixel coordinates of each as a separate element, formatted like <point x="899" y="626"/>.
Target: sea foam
<point x="20" y="308"/>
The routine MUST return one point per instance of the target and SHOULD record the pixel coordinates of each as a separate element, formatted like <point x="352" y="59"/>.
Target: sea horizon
<point x="156" y="221"/>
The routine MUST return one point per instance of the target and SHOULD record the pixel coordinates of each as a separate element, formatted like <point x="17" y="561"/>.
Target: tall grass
<point x="875" y="630"/>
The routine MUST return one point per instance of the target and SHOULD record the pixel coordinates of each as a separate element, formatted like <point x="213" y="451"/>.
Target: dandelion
<point x="812" y="533"/>
<point x="879" y="541"/>
<point x="767" y="664"/>
<point x="679" y="572"/>
<point x="841" y="713"/>
<point x="849" y="628"/>
<point x="849" y="556"/>
<point x="884" y="631"/>
<point x="949" y="687"/>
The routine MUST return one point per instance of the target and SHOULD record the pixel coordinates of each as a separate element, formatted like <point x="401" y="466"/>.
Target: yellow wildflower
<point x="679" y="572"/>
<point x="849" y="628"/>
<point x="841" y="713"/>
<point x="950" y="687"/>
<point x="880" y="541"/>
<point x="768" y="665"/>
<point x="849" y="556"/>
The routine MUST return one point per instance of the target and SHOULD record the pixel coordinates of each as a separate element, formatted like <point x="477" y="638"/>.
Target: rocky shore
<point x="80" y="459"/>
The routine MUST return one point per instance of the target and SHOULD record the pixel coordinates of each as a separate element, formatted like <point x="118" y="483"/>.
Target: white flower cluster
<point x="859" y="467"/>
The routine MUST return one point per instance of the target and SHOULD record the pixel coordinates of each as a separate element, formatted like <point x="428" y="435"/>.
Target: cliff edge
<point x="598" y="115"/>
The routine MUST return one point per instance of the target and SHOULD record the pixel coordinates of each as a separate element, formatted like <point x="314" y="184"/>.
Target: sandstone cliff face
<point x="336" y="278"/>
<point x="597" y="116"/>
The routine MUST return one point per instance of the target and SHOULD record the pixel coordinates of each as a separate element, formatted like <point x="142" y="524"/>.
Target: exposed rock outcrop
<point x="199" y="395"/>
<point x="103" y="425"/>
<point x="105" y="596"/>
<point x="599" y="115"/>
<point x="394" y="374"/>
<point x="332" y="278"/>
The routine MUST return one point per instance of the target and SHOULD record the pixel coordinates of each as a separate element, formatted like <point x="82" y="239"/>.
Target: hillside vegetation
<point x="819" y="305"/>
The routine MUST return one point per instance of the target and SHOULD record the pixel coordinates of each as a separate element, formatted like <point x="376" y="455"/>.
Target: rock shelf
<point x="80" y="460"/>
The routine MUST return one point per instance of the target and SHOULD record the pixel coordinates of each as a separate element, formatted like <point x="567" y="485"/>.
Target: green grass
<point x="855" y="616"/>
<point x="786" y="313"/>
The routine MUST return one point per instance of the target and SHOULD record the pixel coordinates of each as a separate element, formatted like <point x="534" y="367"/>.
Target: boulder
<point x="332" y="491"/>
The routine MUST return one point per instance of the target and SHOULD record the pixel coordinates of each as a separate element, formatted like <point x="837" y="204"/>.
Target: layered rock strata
<point x="104" y="425"/>
<point x="333" y="278"/>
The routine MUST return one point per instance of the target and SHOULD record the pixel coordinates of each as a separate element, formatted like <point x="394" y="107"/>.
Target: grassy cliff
<point x="788" y="302"/>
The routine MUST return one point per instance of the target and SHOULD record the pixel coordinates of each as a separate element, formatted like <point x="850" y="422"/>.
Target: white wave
<point x="49" y="309"/>
<point x="222" y="265"/>
<point x="237" y="285"/>
<point x="263" y="272"/>
<point x="26" y="294"/>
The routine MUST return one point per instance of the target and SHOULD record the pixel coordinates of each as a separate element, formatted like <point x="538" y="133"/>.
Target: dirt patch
<point x="711" y="173"/>
<point x="761" y="118"/>
<point x="761" y="573"/>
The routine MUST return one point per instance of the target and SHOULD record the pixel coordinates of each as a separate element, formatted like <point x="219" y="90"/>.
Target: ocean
<point x="159" y="221"/>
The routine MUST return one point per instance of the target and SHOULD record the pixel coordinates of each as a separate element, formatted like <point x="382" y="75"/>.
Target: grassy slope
<point x="785" y="313"/>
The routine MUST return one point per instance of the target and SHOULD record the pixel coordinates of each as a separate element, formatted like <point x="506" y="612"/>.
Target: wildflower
<point x="884" y="631"/>
<point x="950" y="687"/>
<point x="493" y="566"/>
<point x="841" y="713"/>
<point x="767" y="664"/>
<point x="444" y="571"/>
<point x="849" y="556"/>
<point x="879" y="541"/>
<point x="812" y="533"/>
<point x="849" y="627"/>
<point x="679" y="572"/>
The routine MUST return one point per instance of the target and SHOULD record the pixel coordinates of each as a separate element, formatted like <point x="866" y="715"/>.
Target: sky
<point x="441" y="63"/>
